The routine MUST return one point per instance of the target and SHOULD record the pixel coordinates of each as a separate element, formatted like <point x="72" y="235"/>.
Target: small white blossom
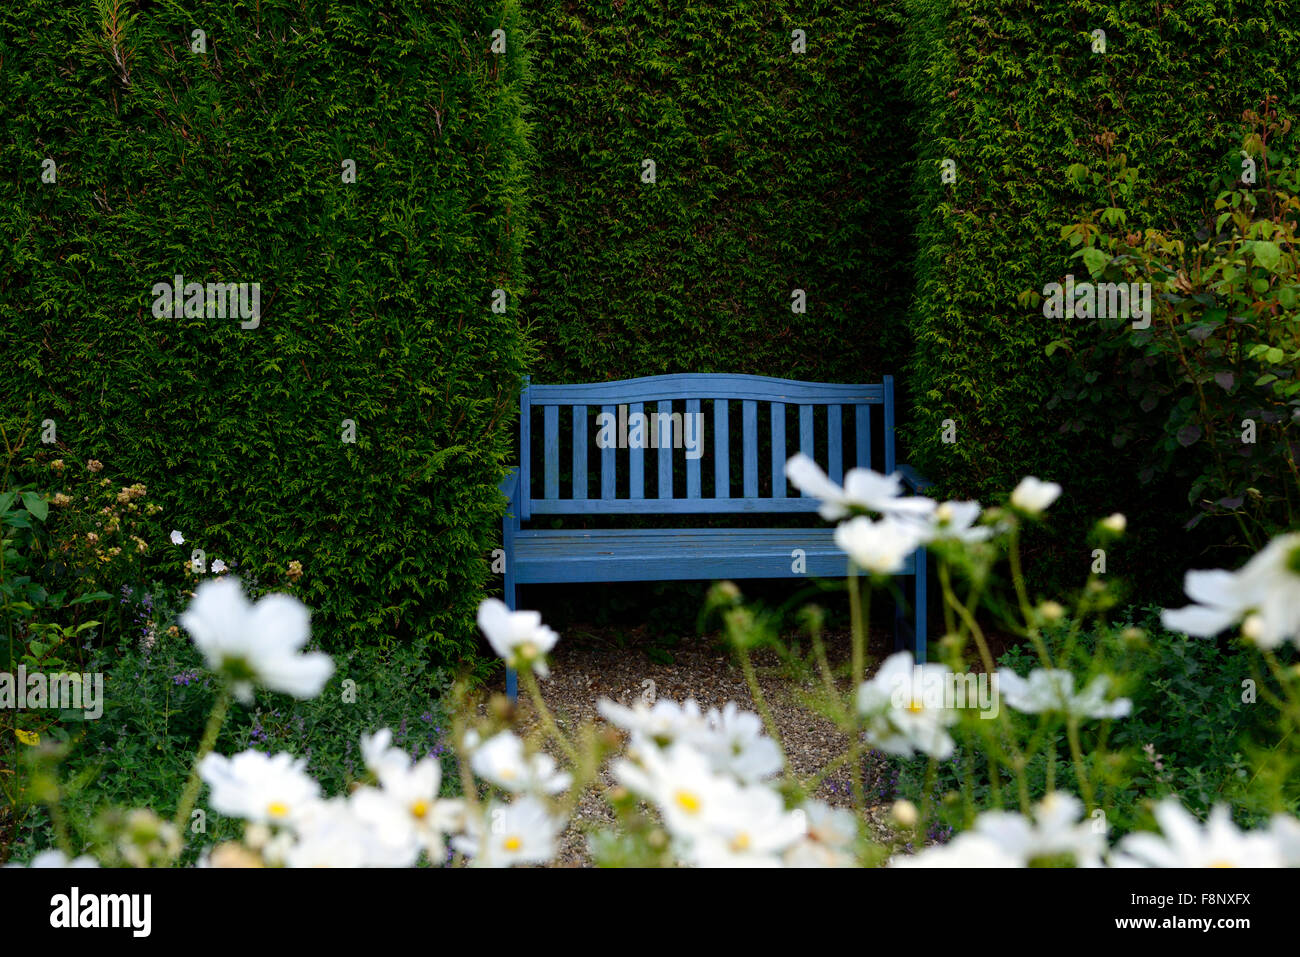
<point x="1033" y="496"/>
<point x="1052" y="689"/>
<point x="880" y="548"/>
<point x="1185" y="842"/>
<point x="518" y="637"/>
<point x="863" y="489"/>
<point x="522" y="832"/>
<point x="255" y="643"/>
<point x="270" y="789"/>
<point x="905" y="708"/>
<point x="502" y="761"/>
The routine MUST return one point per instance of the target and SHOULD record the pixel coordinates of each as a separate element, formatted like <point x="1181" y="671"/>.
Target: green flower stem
<point x="823" y="664"/>
<point x="751" y="679"/>
<point x="968" y="619"/>
<point x="548" y="722"/>
<point x="1072" y="733"/>
<point x="1017" y="576"/>
<point x="191" y="792"/>
<point x="860" y="610"/>
<point x="927" y="799"/>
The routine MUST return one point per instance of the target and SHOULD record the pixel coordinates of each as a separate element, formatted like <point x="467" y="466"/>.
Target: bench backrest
<point x="573" y="422"/>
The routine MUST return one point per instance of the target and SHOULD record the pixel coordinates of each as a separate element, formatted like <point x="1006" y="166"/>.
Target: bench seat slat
<point x="564" y="555"/>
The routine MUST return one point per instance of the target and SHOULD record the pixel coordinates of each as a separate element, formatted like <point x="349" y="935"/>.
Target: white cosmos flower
<point x="1033" y="496"/>
<point x="268" y="789"/>
<point x="863" y="489"/>
<point x="955" y="521"/>
<point x="1055" y="833"/>
<point x="681" y="782"/>
<point x="735" y="744"/>
<point x="1263" y="595"/>
<point x="331" y="834"/>
<point x="177" y="537"/>
<point x="662" y="723"/>
<point x="522" y="832"/>
<point x="751" y="828"/>
<point x="518" y="637"/>
<point x="255" y="643"/>
<point x="1052" y="689"/>
<point x="880" y="547"/>
<point x="905" y="707"/>
<point x="405" y="810"/>
<point x="53" y="857"/>
<point x="830" y="838"/>
<point x="218" y="566"/>
<point x="1185" y="842"/>
<point x="1286" y="832"/>
<point x="968" y="849"/>
<point x="502" y="761"/>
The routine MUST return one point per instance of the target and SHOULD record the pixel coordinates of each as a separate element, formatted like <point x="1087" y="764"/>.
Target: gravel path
<point x="585" y="669"/>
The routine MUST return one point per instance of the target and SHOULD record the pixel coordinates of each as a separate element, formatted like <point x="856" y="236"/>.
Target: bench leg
<point x="512" y="680"/>
<point x="910" y="636"/>
<point x="919" y="631"/>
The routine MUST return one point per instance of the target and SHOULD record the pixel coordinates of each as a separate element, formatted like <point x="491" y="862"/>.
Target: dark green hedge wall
<point x="775" y="171"/>
<point x="226" y="166"/>
<point x="1013" y="92"/>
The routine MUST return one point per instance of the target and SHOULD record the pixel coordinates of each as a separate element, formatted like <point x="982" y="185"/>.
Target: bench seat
<point x="677" y="554"/>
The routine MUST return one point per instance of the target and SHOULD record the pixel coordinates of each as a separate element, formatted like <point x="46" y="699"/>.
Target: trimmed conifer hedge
<point x="226" y="157"/>
<point x="1016" y="93"/>
<point x="774" y="171"/>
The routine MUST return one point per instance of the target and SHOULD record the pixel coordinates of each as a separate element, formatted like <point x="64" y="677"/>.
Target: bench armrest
<point x="509" y="485"/>
<point x="913" y="479"/>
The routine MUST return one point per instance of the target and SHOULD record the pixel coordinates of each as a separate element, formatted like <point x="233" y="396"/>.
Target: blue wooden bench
<point x="537" y="555"/>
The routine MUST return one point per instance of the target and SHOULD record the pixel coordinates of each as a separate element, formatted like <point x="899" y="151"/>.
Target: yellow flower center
<point x="420" y="809"/>
<point x="277" y="809"/>
<point x="740" y="842"/>
<point x="1222" y="864"/>
<point x="915" y="706"/>
<point x="512" y="843"/>
<point x="688" y="802"/>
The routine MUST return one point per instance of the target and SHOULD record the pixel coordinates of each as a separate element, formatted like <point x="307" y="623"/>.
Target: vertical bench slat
<point x="665" y="489"/>
<point x="778" y="450"/>
<point x="889" y="425"/>
<point x="579" y="451"/>
<point x="693" y="463"/>
<point x="862" y="423"/>
<point x="636" y="456"/>
<point x="551" y="453"/>
<point x="834" y="443"/>
<point x="721" y="450"/>
<point x="607" y="460"/>
<point x="749" y="445"/>
<point x="525" y="451"/>
<point x="806" y="445"/>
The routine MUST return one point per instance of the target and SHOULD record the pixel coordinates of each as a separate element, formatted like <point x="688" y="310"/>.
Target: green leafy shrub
<point x="1015" y="96"/>
<point x="1208" y="393"/>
